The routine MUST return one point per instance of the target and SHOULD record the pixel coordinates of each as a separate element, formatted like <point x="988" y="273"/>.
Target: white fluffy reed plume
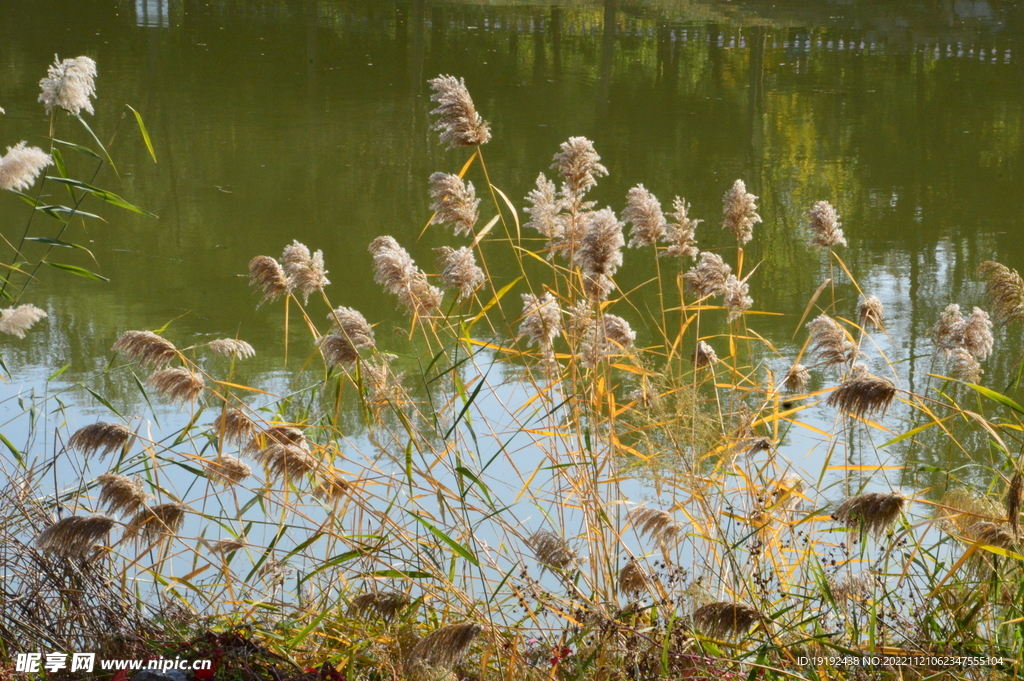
<point x="267" y="274"/>
<point x="600" y="253"/>
<point x="973" y="334"/>
<point x="579" y="166"/>
<point x="21" y="165"/>
<point x="871" y="312"/>
<point x="643" y="211"/>
<point x="121" y="494"/>
<point x="459" y="123"/>
<point x="232" y="348"/>
<point x="227" y="470"/>
<point x="825" y="226"/>
<point x="703" y="355"/>
<point x="830" y="341"/>
<point x="1005" y="290"/>
<point x="75" y="537"/>
<point x="350" y="334"/>
<point x="964" y="365"/>
<point x="154" y="522"/>
<point x="679" y="234"/>
<point x="454" y="202"/>
<point x="658" y="525"/>
<point x="459" y="271"/>
<point x="863" y="394"/>
<point x="709" y="276"/>
<point x="100" y="437"/>
<point x="234" y="425"/>
<point x="15" y="321"/>
<point x="69" y="85"/>
<point x="740" y="212"/>
<point x="874" y="512"/>
<point x="444" y="648"/>
<point x="737" y="300"/>
<point x="305" y="272"/>
<point x="180" y="385"/>
<point x="722" y="619"/>
<point x="544" y="210"/>
<point x="551" y="550"/>
<point x="542" y="321"/>
<point x="146" y="347"/>
<point x="609" y="337"/>
<point x="797" y="378"/>
<point x="397" y="272"/>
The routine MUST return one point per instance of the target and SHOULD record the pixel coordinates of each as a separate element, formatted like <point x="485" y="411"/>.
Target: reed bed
<point x="552" y="484"/>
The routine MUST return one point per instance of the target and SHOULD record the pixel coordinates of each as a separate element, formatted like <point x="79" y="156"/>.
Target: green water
<point x="275" y="121"/>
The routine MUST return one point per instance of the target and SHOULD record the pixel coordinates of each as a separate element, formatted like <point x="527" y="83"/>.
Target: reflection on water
<point x="308" y="120"/>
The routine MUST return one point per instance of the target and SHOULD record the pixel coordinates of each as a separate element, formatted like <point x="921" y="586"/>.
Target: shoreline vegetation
<point x="380" y="523"/>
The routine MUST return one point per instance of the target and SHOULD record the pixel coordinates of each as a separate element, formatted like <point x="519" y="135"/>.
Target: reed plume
<point x="709" y="276"/>
<point x="722" y="619"/>
<point x="69" y="85"/>
<point x="600" y="253"/>
<point x="287" y="462"/>
<point x="645" y="396"/>
<point x="459" y="123"/>
<point x="965" y="366"/>
<point x="993" y="534"/>
<point x="679" y="234"/>
<point x="825" y="226"/>
<point x="154" y="522"/>
<point x="852" y="589"/>
<point x="830" y="341"/>
<point x="305" y="272"/>
<point x="873" y="512"/>
<point x="75" y="537"/>
<point x="658" y="525"/>
<point x="235" y="425"/>
<point x="740" y="212"/>
<point x="973" y="334"/>
<point x="643" y="210"/>
<point x="100" y="437"/>
<point x="703" y="355"/>
<point x="121" y="494"/>
<point x="1013" y="500"/>
<point x="459" y="270"/>
<point x="350" y="334"/>
<point x="146" y="347"/>
<point x="961" y="508"/>
<point x="267" y="274"/>
<point x="551" y="550"/>
<point x="736" y="299"/>
<point x="1005" y="290"/>
<point x="863" y="394"/>
<point x="948" y="331"/>
<point x="225" y="546"/>
<point x="332" y="487"/>
<point x="977" y="338"/>
<point x="542" y="321"/>
<point x="387" y="604"/>
<point x="871" y="312"/>
<point x="579" y="320"/>
<point x="15" y="321"/>
<point x="454" y="202"/>
<point x="797" y="378"/>
<point x="544" y="210"/>
<point x="398" y="273"/>
<point x="610" y="336"/>
<point x="579" y="166"/>
<point x="21" y="165"/>
<point x="445" y="647"/>
<point x="227" y="470"/>
<point x="232" y="348"/>
<point x="632" y="578"/>
<point x="382" y="383"/>
<point x="180" y="385"/>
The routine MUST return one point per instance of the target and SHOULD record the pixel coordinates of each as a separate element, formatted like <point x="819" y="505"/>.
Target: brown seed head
<point x="100" y="437"/>
<point x="446" y="646"/>
<point x="386" y="604"/>
<point x="708" y="278"/>
<point x="268" y="275"/>
<point x="232" y="348"/>
<point x="863" y="395"/>
<point x="227" y="470"/>
<point x="146" y="347"/>
<point x="234" y="425"/>
<point x="831" y="342"/>
<point x="797" y="378"/>
<point x="632" y="578"/>
<point x="332" y="487"/>
<point x="679" y="235"/>
<point x="551" y="550"/>
<point x="155" y="522"/>
<point x="579" y="166"/>
<point x="961" y="507"/>
<point x="459" y="123"/>
<point x="454" y="202"/>
<point x="740" y="212"/>
<point x="1013" y="501"/>
<point x="180" y="385"/>
<point x="75" y="537"/>
<point x="703" y="355"/>
<point x="288" y="462"/>
<point x="643" y="210"/>
<point x="993" y="534"/>
<point x="459" y="270"/>
<point x="121" y="494"/>
<point x="658" y="525"/>
<point x="871" y="312"/>
<point x="825" y="226"/>
<point x="722" y="619"/>
<point x="226" y="546"/>
<point x="1005" y="290"/>
<point x="600" y="253"/>
<point x="874" y="512"/>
